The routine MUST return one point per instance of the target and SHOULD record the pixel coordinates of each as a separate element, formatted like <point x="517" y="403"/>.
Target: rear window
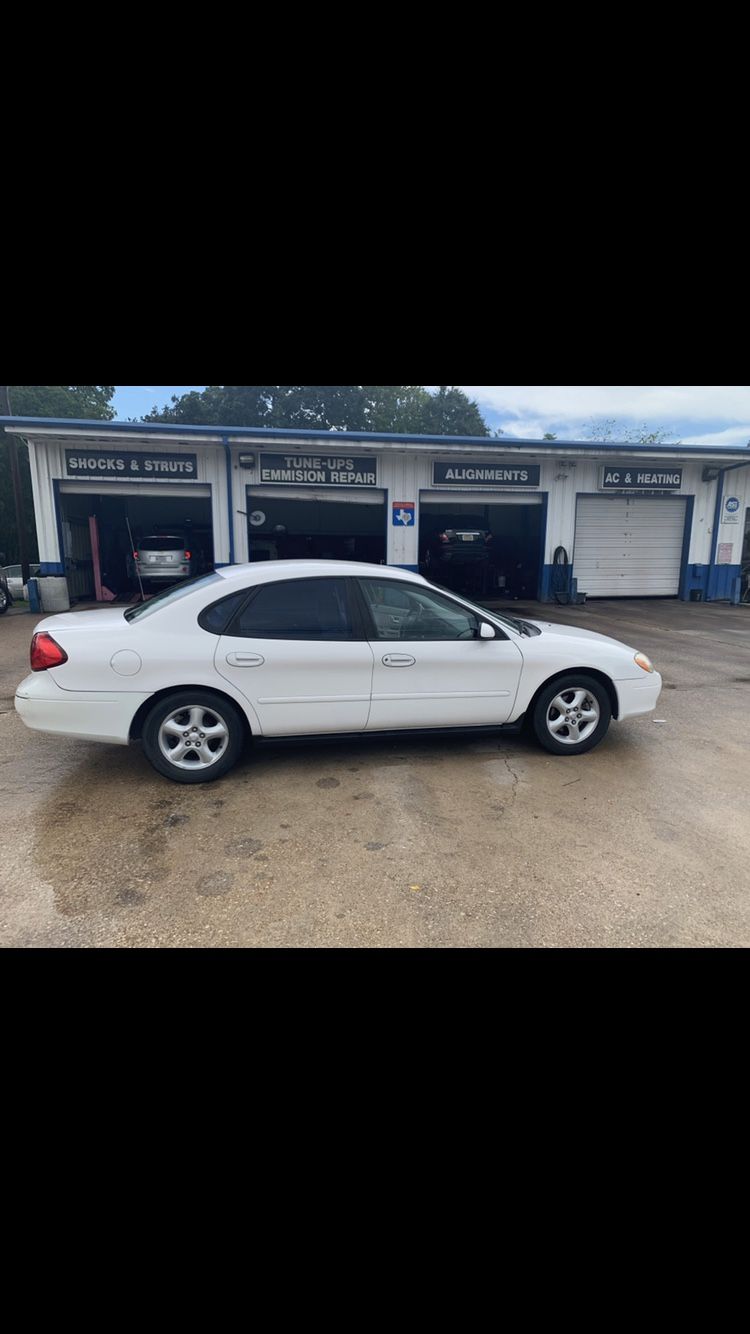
<point x="182" y="590"/>
<point x="161" y="544"/>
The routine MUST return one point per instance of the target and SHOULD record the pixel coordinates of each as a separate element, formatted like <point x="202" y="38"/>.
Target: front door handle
<point x="245" y="659"/>
<point x="398" y="660"/>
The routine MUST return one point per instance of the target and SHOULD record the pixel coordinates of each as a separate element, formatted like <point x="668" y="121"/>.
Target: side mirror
<point x="486" y="631"/>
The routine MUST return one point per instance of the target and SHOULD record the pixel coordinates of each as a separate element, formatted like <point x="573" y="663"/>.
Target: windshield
<point x="519" y="626"/>
<point x="181" y="590"/>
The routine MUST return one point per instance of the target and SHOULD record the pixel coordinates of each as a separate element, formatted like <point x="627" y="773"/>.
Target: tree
<point x="607" y="429"/>
<point x="318" y="407"/>
<point x="396" y="408"/>
<point x="403" y="409"/>
<point x="40" y="400"/>
<point x="549" y="436"/>
<point x="451" y="412"/>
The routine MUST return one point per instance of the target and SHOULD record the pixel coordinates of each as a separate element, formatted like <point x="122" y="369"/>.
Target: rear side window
<point x="216" y="618"/>
<point x="297" y="609"/>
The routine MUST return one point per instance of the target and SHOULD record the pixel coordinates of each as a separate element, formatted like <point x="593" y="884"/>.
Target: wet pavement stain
<point x="212" y="886"/>
<point x="243" y="847"/>
<point x="328" y="782"/>
<point x="130" y="896"/>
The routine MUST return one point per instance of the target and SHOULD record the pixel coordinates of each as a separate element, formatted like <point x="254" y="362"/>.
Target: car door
<point x="297" y="653"/>
<point x="431" y="669"/>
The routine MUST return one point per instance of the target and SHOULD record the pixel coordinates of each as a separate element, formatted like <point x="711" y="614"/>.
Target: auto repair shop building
<point x="607" y="520"/>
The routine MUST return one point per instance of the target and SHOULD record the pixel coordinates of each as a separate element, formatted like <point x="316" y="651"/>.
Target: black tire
<point x="197" y="714"/>
<point x="548" y="718"/>
<point x="4" y="601"/>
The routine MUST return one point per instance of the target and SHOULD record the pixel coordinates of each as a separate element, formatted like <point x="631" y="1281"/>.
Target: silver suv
<point x="165" y="559"/>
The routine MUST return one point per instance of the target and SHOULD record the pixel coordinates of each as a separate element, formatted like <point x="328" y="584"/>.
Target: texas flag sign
<point x="403" y="513"/>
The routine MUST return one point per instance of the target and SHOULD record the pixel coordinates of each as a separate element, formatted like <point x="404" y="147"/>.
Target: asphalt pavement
<point x="454" y="841"/>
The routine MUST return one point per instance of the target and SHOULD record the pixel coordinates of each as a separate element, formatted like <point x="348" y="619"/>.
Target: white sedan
<point x="293" y="648"/>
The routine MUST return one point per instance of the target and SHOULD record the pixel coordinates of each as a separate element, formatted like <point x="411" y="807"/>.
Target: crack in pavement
<point x="513" y="775"/>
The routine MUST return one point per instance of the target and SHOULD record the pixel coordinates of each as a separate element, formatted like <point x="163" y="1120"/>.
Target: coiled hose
<point x="561" y="577"/>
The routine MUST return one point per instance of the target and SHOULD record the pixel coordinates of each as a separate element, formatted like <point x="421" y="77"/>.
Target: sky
<point x="692" y="414"/>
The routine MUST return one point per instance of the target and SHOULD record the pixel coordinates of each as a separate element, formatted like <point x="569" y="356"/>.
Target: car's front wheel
<point x="572" y="715"/>
<point x="193" y="736"/>
<point x="4" y="601"/>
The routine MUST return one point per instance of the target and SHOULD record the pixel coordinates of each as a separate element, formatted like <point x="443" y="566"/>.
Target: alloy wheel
<point x="193" y="737"/>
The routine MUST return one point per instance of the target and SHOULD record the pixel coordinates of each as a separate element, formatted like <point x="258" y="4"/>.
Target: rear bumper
<point x="87" y="716"/>
<point x="639" y="695"/>
<point x="171" y="575"/>
<point x="464" y="557"/>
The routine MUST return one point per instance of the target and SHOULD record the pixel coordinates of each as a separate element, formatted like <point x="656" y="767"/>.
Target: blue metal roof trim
<point x="294" y="433"/>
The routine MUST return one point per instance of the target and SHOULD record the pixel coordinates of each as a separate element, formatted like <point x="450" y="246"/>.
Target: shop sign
<point x="724" y="553"/>
<point x="318" y="470"/>
<point x="114" y="465"/>
<point x="478" y="472"/>
<point x="731" y="510"/>
<point x="638" y="478"/>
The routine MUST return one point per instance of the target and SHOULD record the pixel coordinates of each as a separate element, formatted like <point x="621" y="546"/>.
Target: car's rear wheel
<point x="4" y="601"/>
<point x="572" y="715"/>
<point x="193" y="736"/>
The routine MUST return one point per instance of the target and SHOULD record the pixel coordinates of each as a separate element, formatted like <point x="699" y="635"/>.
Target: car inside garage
<point x="455" y="529"/>
<point x="296" y="524"/>
<point x="174" y="511"/>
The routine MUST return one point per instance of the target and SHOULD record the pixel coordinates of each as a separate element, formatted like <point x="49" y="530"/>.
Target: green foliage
<point x="450" y="412"/>
<point x="397" y="408"/>
<point x="404" y="409"/>
<point x="61" y="400"/>
<point x="41" y="400"/>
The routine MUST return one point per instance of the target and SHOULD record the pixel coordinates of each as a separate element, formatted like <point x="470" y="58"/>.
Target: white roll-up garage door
<point x="629" y="546"/>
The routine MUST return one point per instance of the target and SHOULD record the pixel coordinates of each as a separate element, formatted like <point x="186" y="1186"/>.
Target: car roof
<point x="268" y="570"/>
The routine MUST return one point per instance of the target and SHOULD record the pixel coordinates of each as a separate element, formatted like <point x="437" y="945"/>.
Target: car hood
<point x="574" y="632"/>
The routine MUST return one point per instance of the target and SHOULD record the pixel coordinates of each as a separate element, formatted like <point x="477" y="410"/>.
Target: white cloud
<point x="576" y="404"/>
<point x="732" y="436"/>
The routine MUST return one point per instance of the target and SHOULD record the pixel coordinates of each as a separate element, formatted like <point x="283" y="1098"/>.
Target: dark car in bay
<point x="464" y="542"/>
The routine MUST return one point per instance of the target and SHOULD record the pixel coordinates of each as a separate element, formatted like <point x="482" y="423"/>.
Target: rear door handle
<point x="245" y="659"/>
<point x="398" y="660"/>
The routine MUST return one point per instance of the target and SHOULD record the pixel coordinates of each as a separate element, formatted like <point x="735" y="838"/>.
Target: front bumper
<point x="638" y="695"/>
<point x="85" y="715"/>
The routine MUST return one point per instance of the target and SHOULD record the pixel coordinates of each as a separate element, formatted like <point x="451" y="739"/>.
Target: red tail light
<point x="45" y="652"/>
<point x="444" y="537"/>
<point x="135" y="555"/>
<point x="187" y="555"/>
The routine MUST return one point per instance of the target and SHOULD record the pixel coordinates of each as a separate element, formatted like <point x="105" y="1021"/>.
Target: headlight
<point x="644" y="662"/>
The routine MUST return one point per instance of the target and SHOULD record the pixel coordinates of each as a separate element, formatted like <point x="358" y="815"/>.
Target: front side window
<point x="404" y="612"/>
<point x="296" y="609"/>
